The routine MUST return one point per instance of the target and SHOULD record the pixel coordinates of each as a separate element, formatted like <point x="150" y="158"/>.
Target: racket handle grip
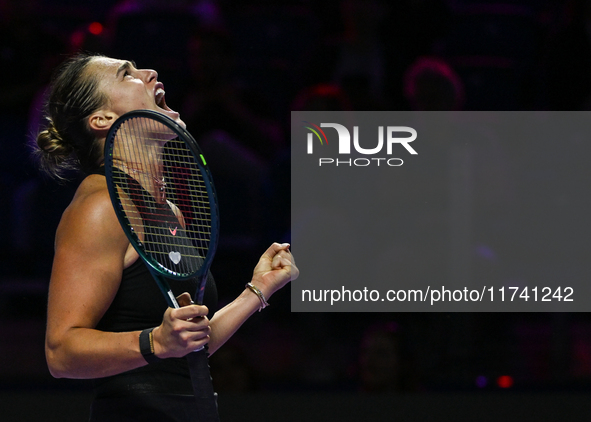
<point x="207" y="408"/>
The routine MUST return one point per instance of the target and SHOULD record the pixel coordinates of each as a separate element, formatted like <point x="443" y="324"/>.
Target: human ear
<point x="101" y="121"/>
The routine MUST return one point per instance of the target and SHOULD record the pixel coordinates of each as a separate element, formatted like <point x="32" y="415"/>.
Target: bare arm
<point x="275" y="269"/>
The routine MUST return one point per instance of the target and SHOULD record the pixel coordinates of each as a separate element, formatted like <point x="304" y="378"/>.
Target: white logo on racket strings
<point x="175" y="257"/>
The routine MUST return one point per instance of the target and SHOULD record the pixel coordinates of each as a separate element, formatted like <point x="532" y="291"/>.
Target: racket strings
<point x="172" y="219"/>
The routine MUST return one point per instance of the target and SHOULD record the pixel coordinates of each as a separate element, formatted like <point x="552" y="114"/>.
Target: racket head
<point x="173" y="227"/>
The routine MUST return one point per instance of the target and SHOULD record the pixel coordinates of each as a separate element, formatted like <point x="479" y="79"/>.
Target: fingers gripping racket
<point x="164" y="198"/>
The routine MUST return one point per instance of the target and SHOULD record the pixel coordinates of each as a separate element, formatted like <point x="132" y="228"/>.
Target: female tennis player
<point x="101" y="295"/>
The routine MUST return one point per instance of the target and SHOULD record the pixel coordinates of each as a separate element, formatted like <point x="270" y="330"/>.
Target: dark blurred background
<point x="235" y="71"/>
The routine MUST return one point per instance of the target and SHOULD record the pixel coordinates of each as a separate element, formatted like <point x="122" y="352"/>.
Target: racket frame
<point x="205" y="397"/>
<point x="158" y="271"/>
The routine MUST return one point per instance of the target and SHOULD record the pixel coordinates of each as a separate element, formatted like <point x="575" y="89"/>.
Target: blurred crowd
<point x="235" y="72"/>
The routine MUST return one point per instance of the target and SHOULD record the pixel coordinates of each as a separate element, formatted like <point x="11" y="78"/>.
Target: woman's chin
<point x="172" y="114"/>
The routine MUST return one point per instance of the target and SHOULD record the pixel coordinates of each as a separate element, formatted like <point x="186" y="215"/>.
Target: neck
<point x="150" y="178"/>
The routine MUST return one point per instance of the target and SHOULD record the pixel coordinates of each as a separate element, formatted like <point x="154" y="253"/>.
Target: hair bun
<point x="51" y="143"/>
<point x="53" y="154"/>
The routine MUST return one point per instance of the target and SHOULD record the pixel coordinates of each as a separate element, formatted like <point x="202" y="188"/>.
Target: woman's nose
<point x="150" y="75"/>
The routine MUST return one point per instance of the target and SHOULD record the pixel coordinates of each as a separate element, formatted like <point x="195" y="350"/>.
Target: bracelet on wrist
<point x="259" y="294"/>
<point x="147" y="345"/>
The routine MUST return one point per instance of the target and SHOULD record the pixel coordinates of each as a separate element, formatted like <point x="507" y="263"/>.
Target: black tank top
<point x="137" y="305"/>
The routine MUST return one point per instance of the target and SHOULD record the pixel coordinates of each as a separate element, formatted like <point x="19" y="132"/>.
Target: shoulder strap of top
<point x="100" y="170"/>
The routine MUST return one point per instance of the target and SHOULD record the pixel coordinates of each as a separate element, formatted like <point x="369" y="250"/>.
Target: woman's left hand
<point x="275" y="269"/>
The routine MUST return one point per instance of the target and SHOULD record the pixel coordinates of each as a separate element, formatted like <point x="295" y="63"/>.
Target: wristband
<point x="259" y="294"/>
<point x="147" y="346"/>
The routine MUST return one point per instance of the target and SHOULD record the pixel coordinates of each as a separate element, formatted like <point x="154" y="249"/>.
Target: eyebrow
<point x="125" y="66"/>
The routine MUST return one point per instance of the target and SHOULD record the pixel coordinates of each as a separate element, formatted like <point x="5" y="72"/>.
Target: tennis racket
<point x="165" y="200"/>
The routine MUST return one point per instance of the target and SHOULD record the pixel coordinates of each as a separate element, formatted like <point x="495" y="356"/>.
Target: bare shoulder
<point x="90" y="216"/>
<point x="91" y="193"/>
